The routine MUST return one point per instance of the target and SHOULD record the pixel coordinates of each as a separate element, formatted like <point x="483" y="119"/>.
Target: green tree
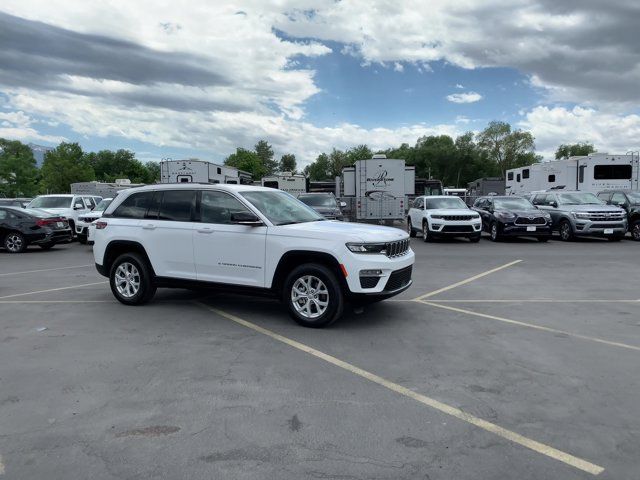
<point x="288" y="163"/>
<point x="320" y="169"/>
<point x="265" y="153"/>
<point x="361" y="152"/>
<point x="64" y="165"/>
<point x="153" y="172"/>
<point x="574" y="150"/>
<point x="110" y="165"/>
<point x="248" y="161"/>
<point x="509" y="149"/>
<point x="18" y="170"/>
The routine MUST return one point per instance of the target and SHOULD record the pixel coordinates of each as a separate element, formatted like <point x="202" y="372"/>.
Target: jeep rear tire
<point x="313" y="295"/>
<point x="131" y="279"/>
<point x="412" y="232"/>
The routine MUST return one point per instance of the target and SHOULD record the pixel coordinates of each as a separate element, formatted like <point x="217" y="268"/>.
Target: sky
<point x="198" y="78"/>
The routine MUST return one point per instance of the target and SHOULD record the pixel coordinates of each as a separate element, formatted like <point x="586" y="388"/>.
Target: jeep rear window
<point x="134" y="206"/>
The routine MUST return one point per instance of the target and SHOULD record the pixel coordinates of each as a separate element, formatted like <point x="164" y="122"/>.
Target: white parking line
<point x="44" y="270"/>
<point x="54" y="289"/>
<point x="534" y="300"/>
<point x="1" y="466"/>
<point x="534" y="326"/>
<point x="24" y="302"/>
<point x="541" y="448"/>
<point x="468" y="280"/>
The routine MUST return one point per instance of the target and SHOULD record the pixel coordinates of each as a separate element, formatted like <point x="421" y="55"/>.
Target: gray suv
<point x="582" y="214"/>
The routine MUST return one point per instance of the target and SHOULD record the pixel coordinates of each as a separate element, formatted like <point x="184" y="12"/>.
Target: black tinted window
<point x="552" y="178"/>
<point x="134" y="206"/>
<point x="510" y="176"/>
<point x="177" y="205"/>
<point x="525" y="173"/>
<point x="217" y="207"/>
<point x="612" y="172"/>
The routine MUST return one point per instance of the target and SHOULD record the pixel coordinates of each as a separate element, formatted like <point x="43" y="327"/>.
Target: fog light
<point x="370" y="273"/>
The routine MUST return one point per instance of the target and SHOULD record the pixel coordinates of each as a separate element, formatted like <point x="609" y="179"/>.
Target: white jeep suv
<point x="66" y="205"/>
<point x="443" y="216"/>
<point x="247" y="239"/>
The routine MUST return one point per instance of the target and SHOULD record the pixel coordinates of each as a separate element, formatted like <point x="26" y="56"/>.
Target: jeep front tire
<point x="313" y="295"/>
<point x="131" y="279"/>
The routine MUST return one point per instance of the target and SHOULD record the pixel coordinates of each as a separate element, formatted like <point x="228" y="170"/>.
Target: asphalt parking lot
<point x="509" y="360"/>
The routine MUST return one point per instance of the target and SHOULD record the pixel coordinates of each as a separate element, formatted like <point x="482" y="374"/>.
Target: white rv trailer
<point x="380" y="186"/>
<point x="199" y="171"/>
<point x="590" y="173"/>
<point x="287" y="182"/>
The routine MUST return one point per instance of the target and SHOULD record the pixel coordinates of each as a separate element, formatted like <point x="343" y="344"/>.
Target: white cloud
<point x="610" y="133"/>
<point x="466" y="97"/>
<point x="460" y="86"/>
<point x="17" y="126"/>
<point x="398" y="67"/>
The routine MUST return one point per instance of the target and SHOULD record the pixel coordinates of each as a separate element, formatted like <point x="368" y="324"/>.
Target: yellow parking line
<point x="534" y="326"/>
<point x="54" y="289"/>
<point x="541" y="448"/>
<point x="44" y="270"/>
<point x="468" y="280"/>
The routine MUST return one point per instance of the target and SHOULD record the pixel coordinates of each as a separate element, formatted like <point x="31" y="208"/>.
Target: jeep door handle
<point x="149" y="226"/>
<point x="205" y="230"/>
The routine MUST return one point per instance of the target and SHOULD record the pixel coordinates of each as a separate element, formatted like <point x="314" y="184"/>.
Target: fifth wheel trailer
<point x="380" y="186"/>
<point x="198" y="171"/>
<point x="590" y="173"/>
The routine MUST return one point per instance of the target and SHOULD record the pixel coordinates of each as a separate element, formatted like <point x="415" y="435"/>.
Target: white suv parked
<point x="65" y="205"/>
<point x="247" y="239"/>
<point x="443" y="216"/>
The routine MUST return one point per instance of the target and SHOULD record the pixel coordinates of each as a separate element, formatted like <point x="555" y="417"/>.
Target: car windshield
<point x="318" y="200"/>
<point x="579" y="198"/>
<point x="445" y="203"/>
<point x="515" y="203"/>
<point x="634" y="197"/>
<point x="281" y="208"/>
<point x="51" y="202"/>
<point x="101" y="207"/>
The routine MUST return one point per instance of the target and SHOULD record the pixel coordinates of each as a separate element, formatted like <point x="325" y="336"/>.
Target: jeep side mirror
<point x="246" y="218"/>
<point x="553" y="204"/>
<point x="343" y="204"/>
<point x="78" y="206"/>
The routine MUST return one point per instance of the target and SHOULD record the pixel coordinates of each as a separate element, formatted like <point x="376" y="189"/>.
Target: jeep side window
<point x="134" y="206"/>
<point x="217" y="207"/>
<point x="177" y="205"/>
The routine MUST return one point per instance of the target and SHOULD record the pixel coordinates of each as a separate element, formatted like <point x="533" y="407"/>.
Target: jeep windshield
<point x="512" y="204"/>
<point x="579" y="198"/>
<point x="51" y="202"/>
<point x="281" y="208"/>
<point x="318" y="200"/>
<point x="102" y="206"/>
<point x="444" y="203"/>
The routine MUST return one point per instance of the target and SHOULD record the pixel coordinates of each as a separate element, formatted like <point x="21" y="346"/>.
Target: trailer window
<point x="518" y="178"/>
<point x="551" y="179"/>
<point x="271" y="184"/>
<point x="612" y="172"/>
<point x="510" y="176"/>
<point x="525" y="173"/>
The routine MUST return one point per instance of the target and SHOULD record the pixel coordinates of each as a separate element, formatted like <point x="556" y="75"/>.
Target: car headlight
<point x="505" y="215"/>
<point x="366" y="247"/>
<point x="580" y="215"/>
<point x="436" y="217"/>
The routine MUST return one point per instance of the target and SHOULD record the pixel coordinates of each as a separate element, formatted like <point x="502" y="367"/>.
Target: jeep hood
<point x="452" y="211"/>
<point x="590" y="208"/>
<point x="349" y="232"/>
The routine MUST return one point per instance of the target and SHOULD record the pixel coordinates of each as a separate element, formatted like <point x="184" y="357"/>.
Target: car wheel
<point x="494" y="232"/>
<point x="47" y="246"/>
<point x="635" y="230"/>
<point x="82" y="239"/>
<point x="72" y="226"/>
<point x="474" y="239"/>
<point x="426" y="236"/>
<point x="566" y="234"/>
<point x="131" y="279"/>
<point x="14" y="242"/>
<point x="412" y="232"/>
<point x="313" y="295"/>
<point x="543" y="239"/>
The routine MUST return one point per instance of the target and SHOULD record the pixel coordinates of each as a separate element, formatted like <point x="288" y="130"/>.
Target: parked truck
<point x="199" y="171"/>
<point x="380" y="187"/>
<point x="590" y="173"/>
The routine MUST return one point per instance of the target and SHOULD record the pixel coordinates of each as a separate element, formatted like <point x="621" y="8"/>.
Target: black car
<point x="325" y="204"/>
<point x="511" y="216"/>
<point x="20" y="228"/>
<point x="630" y="202"/>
